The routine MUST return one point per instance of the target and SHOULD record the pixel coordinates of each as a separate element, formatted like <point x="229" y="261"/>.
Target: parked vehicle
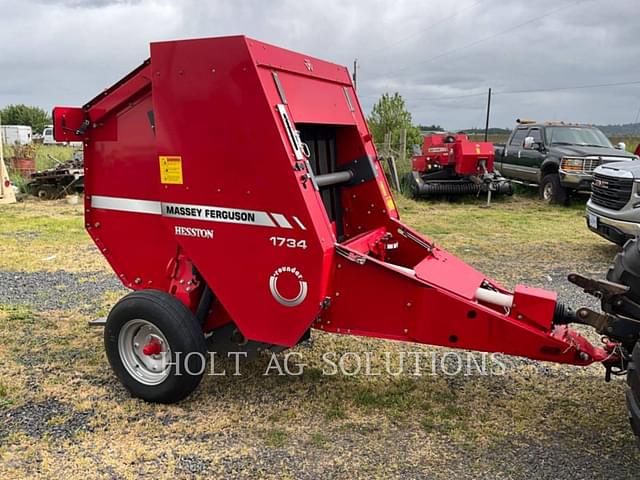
<point x="12" y="134"/>
<point x="557" y="157"/>
<point x="612" y="209"/>
<point x="47" y="136"/>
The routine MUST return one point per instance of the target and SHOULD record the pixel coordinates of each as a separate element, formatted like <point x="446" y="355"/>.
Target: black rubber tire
<point x="559" y="194"/>
<point x="181" y="330"/>
<point x="626" y="271"/>
<point x="633" y="394"/>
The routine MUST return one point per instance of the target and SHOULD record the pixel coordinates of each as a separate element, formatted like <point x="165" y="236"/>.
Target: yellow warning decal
<point x="390" y="205"/>
<point x="171" y="170"/>
<point x="383" y="189"/>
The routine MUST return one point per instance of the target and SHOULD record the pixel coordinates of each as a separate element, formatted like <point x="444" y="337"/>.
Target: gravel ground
<point x="58" y="290"/>
<point x="48" y="417"/>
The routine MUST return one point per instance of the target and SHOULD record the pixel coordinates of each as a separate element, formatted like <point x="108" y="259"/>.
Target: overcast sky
<point x="437" y="54"/>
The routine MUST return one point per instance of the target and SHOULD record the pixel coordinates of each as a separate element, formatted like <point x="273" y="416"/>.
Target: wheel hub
<point x="144" y="351"/>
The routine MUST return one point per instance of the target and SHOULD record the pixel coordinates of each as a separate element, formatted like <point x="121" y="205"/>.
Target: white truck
<point x="12" y="134"/>
<point x="47" y="138"/>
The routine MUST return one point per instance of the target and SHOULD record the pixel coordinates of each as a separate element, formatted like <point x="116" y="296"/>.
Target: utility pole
<point x="355" y="74"/>
<point x="486" y="125"/>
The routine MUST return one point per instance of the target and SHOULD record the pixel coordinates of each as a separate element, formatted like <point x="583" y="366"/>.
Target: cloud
<point x="437" y="55"/>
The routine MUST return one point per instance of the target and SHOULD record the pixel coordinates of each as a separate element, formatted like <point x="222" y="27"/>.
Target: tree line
<point x="34" y="117"/>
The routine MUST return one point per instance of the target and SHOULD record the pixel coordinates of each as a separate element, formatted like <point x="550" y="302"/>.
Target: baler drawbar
<point x="235" y="187"/>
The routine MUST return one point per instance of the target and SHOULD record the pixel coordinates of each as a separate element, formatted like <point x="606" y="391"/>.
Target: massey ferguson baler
<point x="234" y="187"/>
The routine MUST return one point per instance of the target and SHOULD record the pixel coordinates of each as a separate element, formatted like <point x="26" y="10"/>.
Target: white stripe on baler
<point x="300" y="224"/>
<point x="126" y="204"/>
<point x="203" y="212"/>
<point x="281" y="220"/>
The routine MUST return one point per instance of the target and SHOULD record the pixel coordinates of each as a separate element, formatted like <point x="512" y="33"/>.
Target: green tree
<point x="35" y="117"/>
<point x="390" y="115"/>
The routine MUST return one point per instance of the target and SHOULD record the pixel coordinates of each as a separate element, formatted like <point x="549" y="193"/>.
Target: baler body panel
<point x="196" y="173"/>
<point x="235" y="155"/>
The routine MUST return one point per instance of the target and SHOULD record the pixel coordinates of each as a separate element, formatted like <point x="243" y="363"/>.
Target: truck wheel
<point x="155" y="346"/>
<point x="552" y="191"/>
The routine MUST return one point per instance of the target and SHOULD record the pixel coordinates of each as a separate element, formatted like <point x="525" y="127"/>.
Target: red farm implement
<point x="235" y="187"/>
<point x="451" y="164"/>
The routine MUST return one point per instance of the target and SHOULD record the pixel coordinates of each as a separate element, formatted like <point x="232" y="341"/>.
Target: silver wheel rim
<point x="134" y="336"/>
<point x="547" y="192"/>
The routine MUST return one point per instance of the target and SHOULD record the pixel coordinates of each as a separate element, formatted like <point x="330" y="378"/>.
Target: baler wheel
<point x="155" y="346"/>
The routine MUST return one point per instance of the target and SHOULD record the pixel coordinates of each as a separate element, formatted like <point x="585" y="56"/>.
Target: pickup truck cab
<point x="557" y="157"/>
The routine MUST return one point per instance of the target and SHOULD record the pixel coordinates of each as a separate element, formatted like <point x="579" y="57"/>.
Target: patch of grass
<point x="17" y="314"/>
<point x="391" y="396"/>
<point x="47" y="156"/>
<point x="318" y="440"/>
<point x="539" y="233"/>
<point x="4" y="396"/>
<point x="335" y="411"/>
<point x="275" y="438"/>
<point x="49" y="235"/>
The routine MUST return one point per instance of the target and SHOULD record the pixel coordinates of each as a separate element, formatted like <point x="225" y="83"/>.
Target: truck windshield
<point x="586" y="136"/>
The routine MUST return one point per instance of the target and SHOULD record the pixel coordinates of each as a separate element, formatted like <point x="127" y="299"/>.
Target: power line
<point x="490" y="37"/>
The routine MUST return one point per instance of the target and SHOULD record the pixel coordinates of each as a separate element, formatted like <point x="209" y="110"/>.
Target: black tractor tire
<point x="147" y="316"/>
<point x="626" y="271"/>
<point x="552" y="191"/>
<point x="633" y="394"/>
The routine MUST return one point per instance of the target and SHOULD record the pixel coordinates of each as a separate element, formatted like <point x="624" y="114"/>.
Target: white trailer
<point x="12" y="134"/>
<point x="7" y="194"/>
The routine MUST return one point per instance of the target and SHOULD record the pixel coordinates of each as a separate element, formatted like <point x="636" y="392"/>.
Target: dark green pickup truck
<point x="557" y="157"/>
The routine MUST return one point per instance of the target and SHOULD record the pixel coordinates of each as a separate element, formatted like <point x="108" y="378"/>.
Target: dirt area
<point x="63" y="413"/>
